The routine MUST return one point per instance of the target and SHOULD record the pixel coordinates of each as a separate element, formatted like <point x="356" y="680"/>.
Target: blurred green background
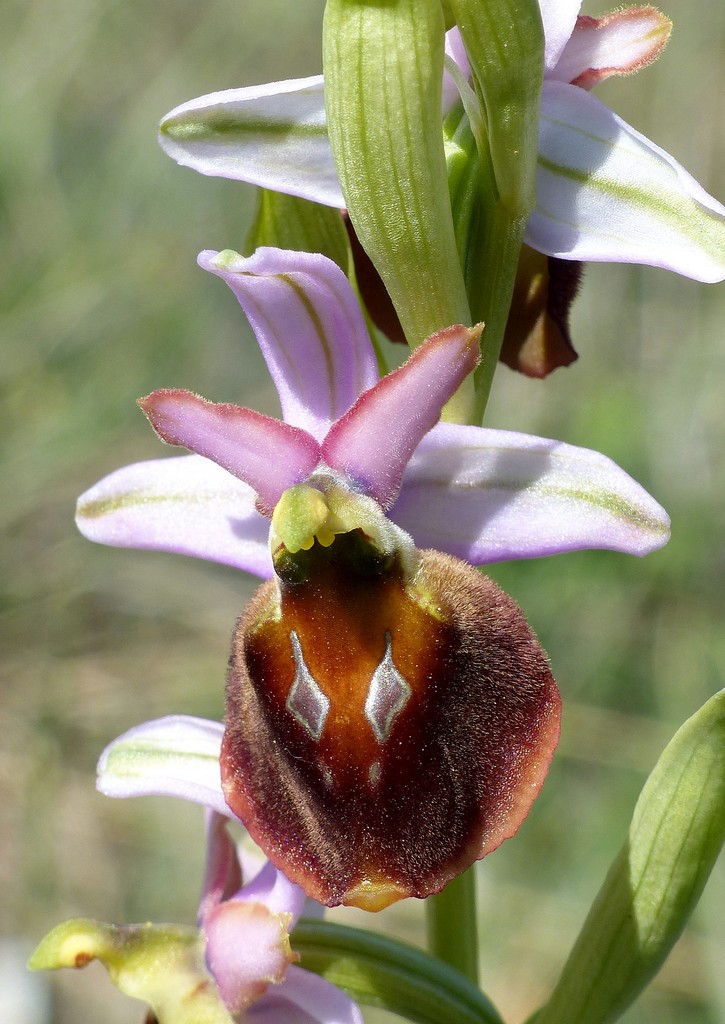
<point x="102" y="302"/>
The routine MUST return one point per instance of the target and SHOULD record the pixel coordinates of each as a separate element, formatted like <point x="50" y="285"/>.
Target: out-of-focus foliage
<point x="101" y="302"/>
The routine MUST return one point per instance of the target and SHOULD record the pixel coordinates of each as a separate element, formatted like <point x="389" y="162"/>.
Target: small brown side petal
<point x="372" y="290"/>
<point x="381" y="736"/>
<point x="537" y="339"/>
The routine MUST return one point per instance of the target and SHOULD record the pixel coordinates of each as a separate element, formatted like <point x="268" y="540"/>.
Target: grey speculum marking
<point x="305" y="701"/>
<point x="388" y="694"/>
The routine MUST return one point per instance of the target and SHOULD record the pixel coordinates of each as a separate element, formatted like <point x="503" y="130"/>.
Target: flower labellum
<point x="390" y="719"/>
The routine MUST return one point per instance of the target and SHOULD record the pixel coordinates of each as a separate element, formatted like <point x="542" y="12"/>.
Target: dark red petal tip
<point x="381" y="736"/>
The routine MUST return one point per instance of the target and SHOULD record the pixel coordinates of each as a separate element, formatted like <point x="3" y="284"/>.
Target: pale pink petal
<point x="265" y="453"/>
<point x="269" y="886"/>
<point x="617" y="44"/>
<point x="272" y="135"/>
<point x="173" y="756"/>
<point x="309" y="326"/>
<point x="373" y="442"/>
<point x="456" y="51"/>
<point x="187" y="505"/>
<point x="272" y="888"/>
<point x="304" y="998"/>
<point x="246" y="951"/>
<point x="559" y="18"/>
<point x="605" y="192"/>
<point x="490" y="495"/>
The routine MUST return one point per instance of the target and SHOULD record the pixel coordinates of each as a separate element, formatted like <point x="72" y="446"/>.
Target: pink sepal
<point x="309" y="326"/>
<point x="223" y="875"/>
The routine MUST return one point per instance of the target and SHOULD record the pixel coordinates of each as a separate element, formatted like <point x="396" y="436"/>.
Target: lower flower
<point x="235" y="967"/>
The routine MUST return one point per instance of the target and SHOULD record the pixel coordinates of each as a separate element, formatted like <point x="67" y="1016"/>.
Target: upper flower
<point x="604" y="191"/>
<point x="480" y="494"/>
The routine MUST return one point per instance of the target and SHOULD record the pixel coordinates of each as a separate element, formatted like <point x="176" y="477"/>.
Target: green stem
<point x="500" y="256"/>
<point x="452" y="925"/>
<point x="493" y="181"/>
<point x="380" y="971"/>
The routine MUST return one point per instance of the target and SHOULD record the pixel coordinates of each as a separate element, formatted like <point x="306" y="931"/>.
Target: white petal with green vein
<point x="270" y="135"/>
<point x="607" y="193"/>
<point x="490" y="495"/>
<point x="187" y="505"/>
<point x="173" y="756"/>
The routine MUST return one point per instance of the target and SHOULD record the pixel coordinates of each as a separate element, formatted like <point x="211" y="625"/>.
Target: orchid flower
<point x="604" y="191"/>
<point x="369" y="678"/>
<point x="236" y="968"/>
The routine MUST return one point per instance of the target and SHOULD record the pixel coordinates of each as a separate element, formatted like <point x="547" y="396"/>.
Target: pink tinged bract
<point x="309" y="327"/>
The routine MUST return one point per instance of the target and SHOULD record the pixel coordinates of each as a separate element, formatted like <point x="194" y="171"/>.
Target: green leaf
<point x="383" y="67"/>
<point x="494" y="185"/>
<point x="676" y="834"/>
<point x="289" y="222"/>
<point x="504" y="41"/>
<point x="380" y="971"/>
